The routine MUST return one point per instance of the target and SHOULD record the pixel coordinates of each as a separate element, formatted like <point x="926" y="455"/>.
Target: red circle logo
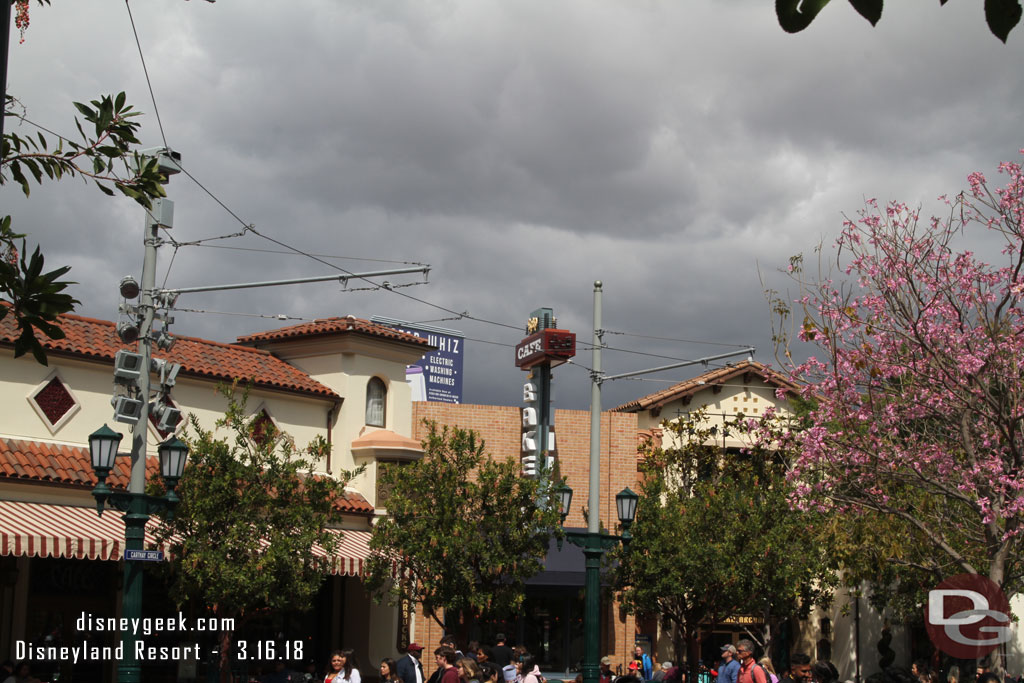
<point x="967" y="616"/>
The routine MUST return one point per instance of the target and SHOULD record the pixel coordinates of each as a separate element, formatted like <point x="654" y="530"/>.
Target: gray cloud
<point x="523" y="149"/>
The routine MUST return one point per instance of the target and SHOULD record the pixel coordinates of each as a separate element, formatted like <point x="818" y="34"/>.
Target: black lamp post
<point x="137" y="508"/>
<point x="594" y="545"/>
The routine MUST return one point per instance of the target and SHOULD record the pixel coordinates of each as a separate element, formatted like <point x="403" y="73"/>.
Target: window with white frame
<point x="376" y="401"/>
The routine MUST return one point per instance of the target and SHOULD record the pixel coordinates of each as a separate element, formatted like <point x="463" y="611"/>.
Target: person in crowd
<point x="953" y="675"/>
<point x="920" y="670"/>
<point x="469" y="670"/>
<point x="824" y="672"/>
<point x="730" y="668"/>
<point x="448" y="640"/>
<point x="484" y="655"/>
<point x="472" y="648"/>
<point x="606" y="675"/>
<point x="408" y="668"/>
<point x="22" y="673"/>
<point x="659" y="675"/>
<point x="645" y="666"/>
<point x="766" y="662"/>
<point x="799" y="669"/>
<point x="750" y="671"/>
<point x="446" y="660"/>
<point x="389" y="671"/>
<point x="501" y="654"/>
<point x="343" y="668"/>
<point x="490" y="672"/>
<point x="529" y="669"/>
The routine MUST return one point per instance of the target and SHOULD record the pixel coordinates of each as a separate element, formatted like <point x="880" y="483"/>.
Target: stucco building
<point x="342" y="379"/>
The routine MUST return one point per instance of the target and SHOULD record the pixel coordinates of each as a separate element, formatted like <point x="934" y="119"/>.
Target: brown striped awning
<point x="44" y="530"/>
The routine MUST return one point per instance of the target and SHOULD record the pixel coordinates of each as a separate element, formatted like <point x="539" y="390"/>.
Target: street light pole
<point x="593" y="549"/>
<point x="128" y="671"/>
<point x="593" y="542"/>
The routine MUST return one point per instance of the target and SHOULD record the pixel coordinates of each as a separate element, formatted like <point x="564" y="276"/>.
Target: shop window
<point x="376" y="401"/>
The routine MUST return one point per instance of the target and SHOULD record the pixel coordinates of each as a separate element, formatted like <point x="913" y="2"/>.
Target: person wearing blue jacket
<point x="644" y="663"/>
<point x="730" y="669"/>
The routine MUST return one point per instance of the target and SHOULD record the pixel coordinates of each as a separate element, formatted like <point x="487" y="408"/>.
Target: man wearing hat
<point x="408" y="667"/>
<point x="730" y="669"/>
<point x="606" y="675"/>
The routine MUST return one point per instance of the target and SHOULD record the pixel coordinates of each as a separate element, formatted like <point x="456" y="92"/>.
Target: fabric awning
<point x="44" y="530"/>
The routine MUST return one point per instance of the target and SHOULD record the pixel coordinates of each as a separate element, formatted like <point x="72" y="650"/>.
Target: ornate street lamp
<point x="594" y="544"/>
<point x="138" y="507"/>
<point x="103" y="450"/>
<point x="173" y="453"/>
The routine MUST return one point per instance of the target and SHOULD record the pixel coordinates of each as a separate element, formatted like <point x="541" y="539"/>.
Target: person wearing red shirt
<point x="750" y="670"/>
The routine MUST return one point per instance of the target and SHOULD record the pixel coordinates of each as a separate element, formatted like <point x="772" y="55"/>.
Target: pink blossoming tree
<point x="919" y="384"/>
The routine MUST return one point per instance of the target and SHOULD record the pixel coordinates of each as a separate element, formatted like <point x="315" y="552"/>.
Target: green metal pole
<point x="138" y="514"/>
<point x="135" y="519"/>
<point x="592" y="610"/>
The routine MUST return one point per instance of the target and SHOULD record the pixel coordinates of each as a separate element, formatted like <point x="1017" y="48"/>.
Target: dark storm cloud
<point x="676" y="151"/>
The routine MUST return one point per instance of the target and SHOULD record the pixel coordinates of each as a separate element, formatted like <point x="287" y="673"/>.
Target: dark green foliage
<point x="105" y="157"/>
<point x="796" y="15"/>
<point x="464" y="528"/>
<point x="251" y="513"/>
<point x="715" y="536"/>
<point x="37" y="296"/>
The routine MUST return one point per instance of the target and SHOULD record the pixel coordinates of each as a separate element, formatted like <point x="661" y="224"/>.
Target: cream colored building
<point x="342" y="379"/>
<point x="846" y="633"/>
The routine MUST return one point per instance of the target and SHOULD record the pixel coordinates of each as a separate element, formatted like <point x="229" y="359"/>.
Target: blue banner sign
<point x="438" y="376"/>
<point x="144" y="555"/>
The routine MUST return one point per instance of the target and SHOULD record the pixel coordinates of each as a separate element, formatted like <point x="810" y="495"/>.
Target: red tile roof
<point x="39" y="461"/>
<point x="704" y="381"/>
<point x="97" y="340"/>
<point x="331" y="326"/>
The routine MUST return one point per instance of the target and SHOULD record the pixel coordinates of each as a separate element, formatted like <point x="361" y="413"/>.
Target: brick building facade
<point x="500" y="427"/>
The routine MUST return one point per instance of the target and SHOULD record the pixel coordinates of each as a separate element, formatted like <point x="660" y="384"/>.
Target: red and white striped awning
<point x="352" y="550"/>
<point x="43" y="530"/>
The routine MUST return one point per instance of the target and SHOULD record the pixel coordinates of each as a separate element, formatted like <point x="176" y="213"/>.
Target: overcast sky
<point x="522" y="148"/>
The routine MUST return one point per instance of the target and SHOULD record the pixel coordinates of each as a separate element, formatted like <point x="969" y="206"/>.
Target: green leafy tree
<point x="715" y="536"/>
<point x="104" y="155"/>
<point x="796" y="15"/>
<point x="464" y="529"/>
<point x="242" y="541"/>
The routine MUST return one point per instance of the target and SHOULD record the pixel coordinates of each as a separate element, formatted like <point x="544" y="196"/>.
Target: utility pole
<point x="593" y="542"/>
<point x="135" y="519"/>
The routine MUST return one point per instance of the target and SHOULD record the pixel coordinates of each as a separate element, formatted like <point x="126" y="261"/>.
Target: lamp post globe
<point x="103" y="450"/>
<point x="625" y="504"/>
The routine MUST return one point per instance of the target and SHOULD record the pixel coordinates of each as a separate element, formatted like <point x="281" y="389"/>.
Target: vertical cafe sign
<point x="438" y="375"/>
<point x="544" y="347"/>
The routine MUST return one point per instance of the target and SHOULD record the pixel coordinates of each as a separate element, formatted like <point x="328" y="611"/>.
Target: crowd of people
<point x="501" y="663"/>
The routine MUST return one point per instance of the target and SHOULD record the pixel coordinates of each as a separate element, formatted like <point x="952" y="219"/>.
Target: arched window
<point x="376" y="400"/>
